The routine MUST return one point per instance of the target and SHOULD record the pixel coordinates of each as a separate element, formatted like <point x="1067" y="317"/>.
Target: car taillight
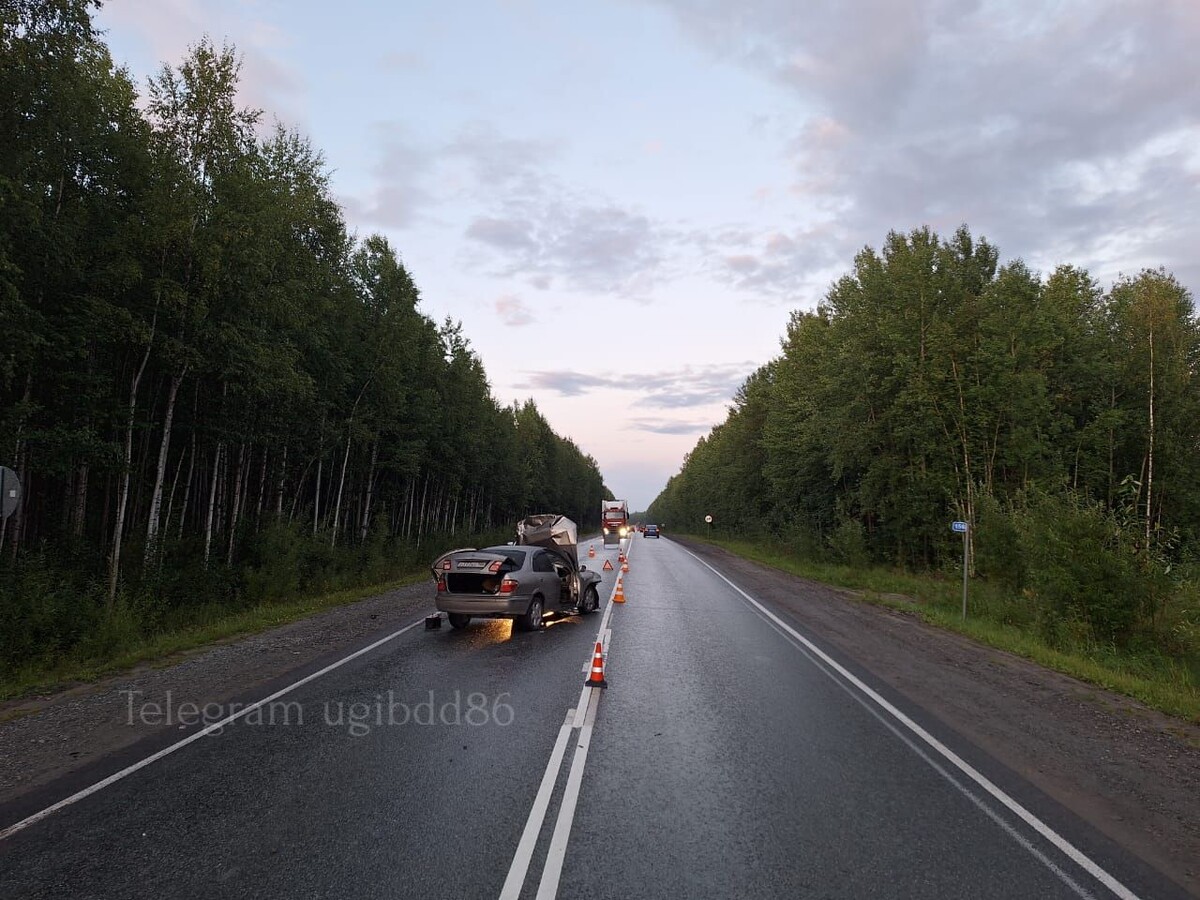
<point x="507" y="586"/>
<point x="441" y="584"/>
<point x="495" y="567"/>
<point x="445" y="565"/>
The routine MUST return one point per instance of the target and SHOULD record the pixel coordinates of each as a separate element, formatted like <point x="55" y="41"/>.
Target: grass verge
<point x="213" y="624"/>
<point x="997" y="620"/>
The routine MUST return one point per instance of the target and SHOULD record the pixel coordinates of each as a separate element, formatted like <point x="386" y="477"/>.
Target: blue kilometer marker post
<point x="961" y="528"/>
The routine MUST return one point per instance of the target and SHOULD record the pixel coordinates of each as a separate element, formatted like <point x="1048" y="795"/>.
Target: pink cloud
<point x="513" y="311"/>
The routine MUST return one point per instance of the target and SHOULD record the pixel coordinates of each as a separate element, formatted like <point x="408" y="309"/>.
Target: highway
<point x="731" y="755"/>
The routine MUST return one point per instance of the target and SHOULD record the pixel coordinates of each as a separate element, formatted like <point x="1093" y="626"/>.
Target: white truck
<point x="614" y="520"/>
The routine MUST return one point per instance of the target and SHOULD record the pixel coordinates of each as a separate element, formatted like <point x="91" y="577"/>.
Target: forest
<point x="935" y="383"/>
<point x="213" y="392"/>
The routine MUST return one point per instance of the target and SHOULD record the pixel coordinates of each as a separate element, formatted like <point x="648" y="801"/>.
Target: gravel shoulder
<point x="51" y="737"/>
<point x="1131" y="772"/>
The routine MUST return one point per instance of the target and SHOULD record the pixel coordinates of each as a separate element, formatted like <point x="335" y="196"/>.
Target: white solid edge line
<point x="166" y="751"/>
<point x="552" y="871"/>
<point x="1065" y="846"/>
<point x="582" y="706"/>
<point x="976" y="800"/>
<point x="517" y="871"/>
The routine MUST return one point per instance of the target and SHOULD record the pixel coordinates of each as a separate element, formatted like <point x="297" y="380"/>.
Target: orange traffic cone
<point x="625" y="566"/>
<point x="592" y="551"/>
<point x="621" y="556"/>
<point x="619" y="596"/>
<point x="596" y="678"/>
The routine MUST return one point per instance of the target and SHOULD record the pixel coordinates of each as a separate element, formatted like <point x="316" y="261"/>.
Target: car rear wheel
<point x="458" y="620"/>
<point x="532" y="620"/>
<point x="591" y="602"/>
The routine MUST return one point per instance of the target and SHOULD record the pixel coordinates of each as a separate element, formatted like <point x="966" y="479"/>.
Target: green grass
<point x="210" y="625"/>
<point x="999" y="620"/>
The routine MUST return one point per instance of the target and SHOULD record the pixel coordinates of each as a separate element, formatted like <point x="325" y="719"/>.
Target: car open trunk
<point x="473" y="571"/>
<point x="472" y="583"/>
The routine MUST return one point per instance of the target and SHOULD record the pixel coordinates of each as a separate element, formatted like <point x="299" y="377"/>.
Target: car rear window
<point x="515" y="556"/>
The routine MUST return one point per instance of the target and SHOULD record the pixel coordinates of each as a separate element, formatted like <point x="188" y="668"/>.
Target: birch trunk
<point x="166" y="525"/>
<point x="317" y="499"/>
<point x="212" y="502"/>
<point x="299" y="490"/>
<point x="237" y="499"/>
<point x="337" y="506"/>
<point x="408" y="508"/>
<point x="280" y="484"/>
<point x="262" y="487"/>
<point x="160" y="475"/>
<point x="366" y="514"/>
<point x="187" y="487"/>
<point x="114" y="569"/>
<point x="421" y="514"/>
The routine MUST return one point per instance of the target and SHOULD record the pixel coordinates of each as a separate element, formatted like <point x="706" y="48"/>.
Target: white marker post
<point x="961" y="528"/>
<point x="708" y="519"/>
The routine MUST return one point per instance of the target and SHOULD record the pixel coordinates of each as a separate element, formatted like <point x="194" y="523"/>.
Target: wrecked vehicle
<point x="537" y="576"/>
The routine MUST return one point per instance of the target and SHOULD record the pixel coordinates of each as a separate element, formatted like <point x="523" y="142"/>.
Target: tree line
<point x="934" y="383"/>
<point x="202" y="368"/>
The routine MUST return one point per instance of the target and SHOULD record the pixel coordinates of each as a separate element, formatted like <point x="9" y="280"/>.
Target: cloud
<point x="513" y="311"/>
<point x="658" y="426"/>
<point x="170" y="27"/>
<point x="677" y="399"/>
<point x="413" y="177"/>
<point x="1063" y="132"/>
<point x="525" y="221"/>
<point x="597" y="247"/>
<point x="499" y="162"/>
<point x="400" y="198"/>
<point x="397" y="61"/>
<point x="689" y="386"/>
<point x="566" y="384"/>
<point x="773" y="265"/>
<point x="502" y="234"/>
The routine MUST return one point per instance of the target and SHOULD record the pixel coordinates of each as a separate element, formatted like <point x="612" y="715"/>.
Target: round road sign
<point x="10" y="492"/>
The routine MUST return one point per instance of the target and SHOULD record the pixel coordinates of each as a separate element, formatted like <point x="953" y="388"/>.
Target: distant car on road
<point x="522" y="582"/>
<point x="652" y="531"/>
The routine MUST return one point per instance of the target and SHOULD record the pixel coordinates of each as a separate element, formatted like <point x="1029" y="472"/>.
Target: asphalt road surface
<point x="730" y="756"/>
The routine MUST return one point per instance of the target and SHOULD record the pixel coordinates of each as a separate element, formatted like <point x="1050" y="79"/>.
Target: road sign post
<point x="961" y="528"/>
<point x="708" y="519"/>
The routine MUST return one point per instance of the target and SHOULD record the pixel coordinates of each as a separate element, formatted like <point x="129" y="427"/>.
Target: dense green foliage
<point x="933" y="383"/>
<point x="211" y="391"/>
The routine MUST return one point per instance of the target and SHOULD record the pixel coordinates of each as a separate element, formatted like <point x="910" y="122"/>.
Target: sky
<point x="623" y="201"/>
